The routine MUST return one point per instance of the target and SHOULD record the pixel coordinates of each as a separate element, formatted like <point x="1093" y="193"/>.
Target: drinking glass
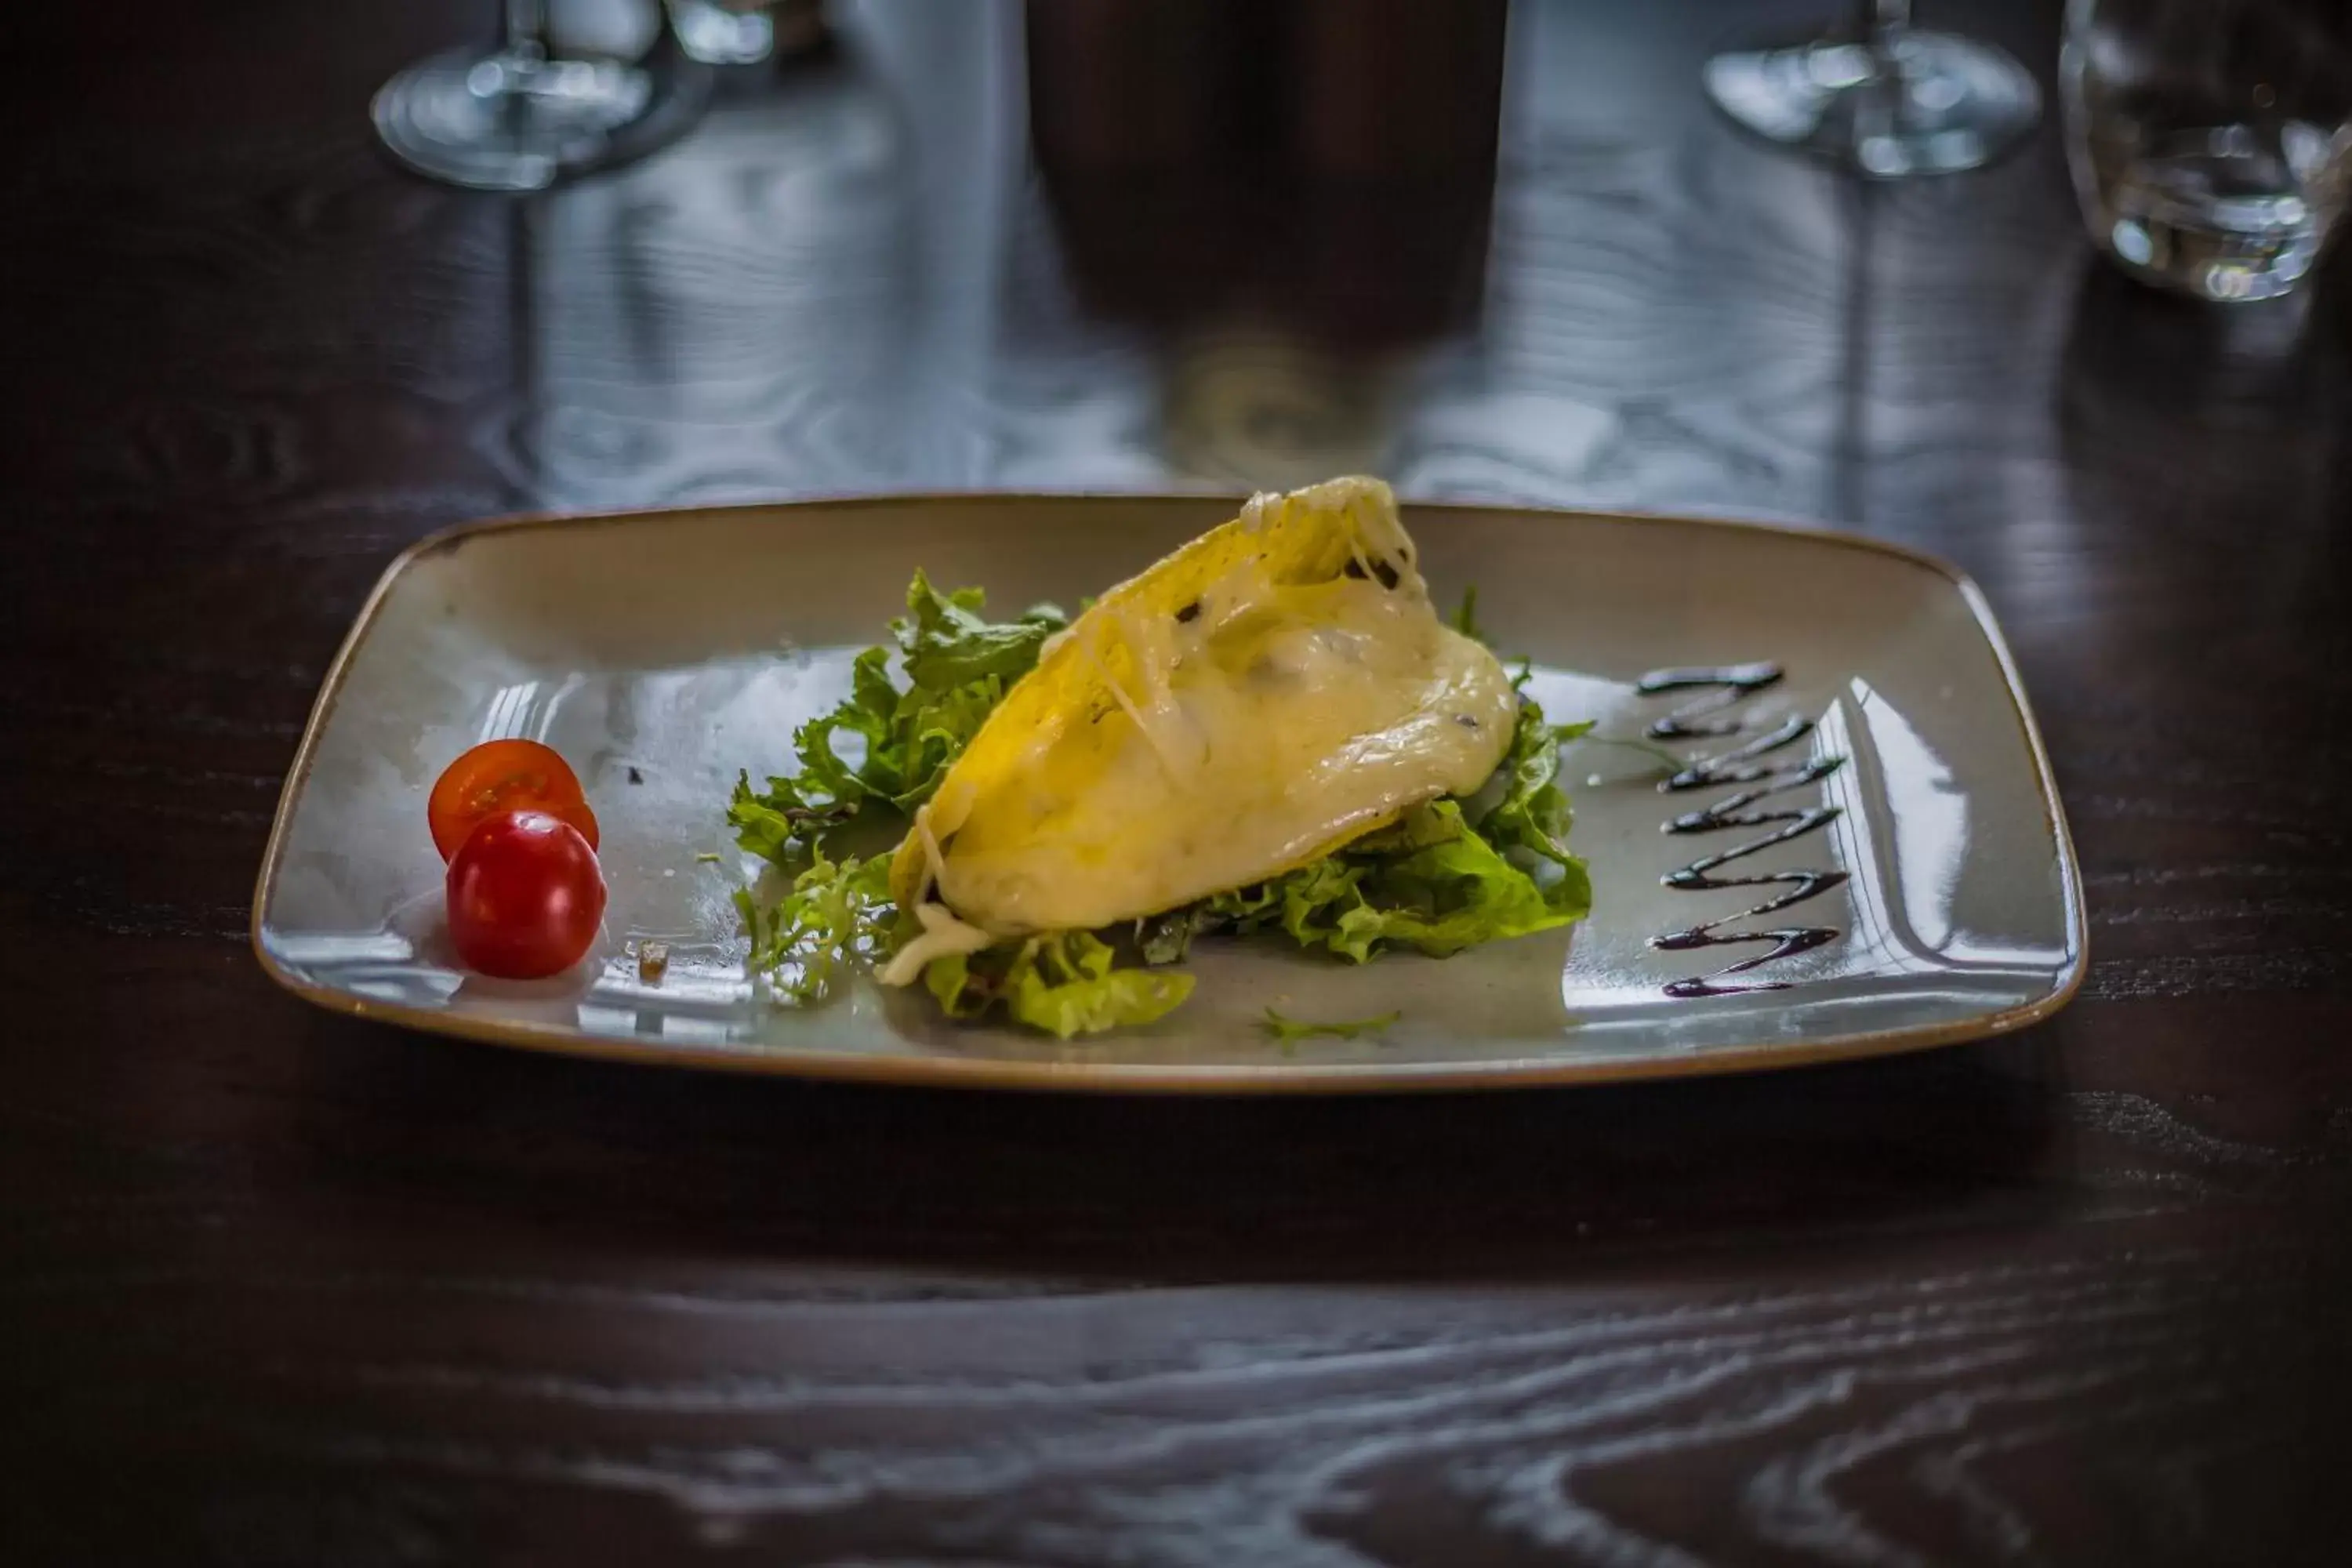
<point x="1882" y="99"/>
<point x="724" y="32"/>
<point x="521" y="114"/>
<point x="2211" y="140"/>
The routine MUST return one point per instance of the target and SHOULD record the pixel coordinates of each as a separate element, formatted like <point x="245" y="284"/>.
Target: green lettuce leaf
<point x="947" y="643"/>
<point x="1065" y="982"/>
<point x="838" y="912"/>
<point x="1438" y="899"/>
<point x="1533" y="816"/>
<point x="1290" y="1031"/>
<point x="1430" y="881"/>
<point x="1456" y="891"/>
<point x="954" y="667"/>
<point x="1465" y="619"/>
<point x="771" y="825"/>
<point x="1167" y="938"/>
<point x="1419" y="826"/>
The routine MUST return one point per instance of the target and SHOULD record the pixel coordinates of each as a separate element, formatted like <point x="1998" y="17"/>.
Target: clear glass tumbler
<point x="2210" y="140"/>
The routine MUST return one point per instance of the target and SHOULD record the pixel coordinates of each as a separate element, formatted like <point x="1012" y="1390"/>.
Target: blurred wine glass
<point x="528" y="110"/>
<point x="1881" y="97"/>
<point x="724" y="32"/>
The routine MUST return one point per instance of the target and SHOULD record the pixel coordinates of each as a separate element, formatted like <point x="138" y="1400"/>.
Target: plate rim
<point x="947" y="1071"/>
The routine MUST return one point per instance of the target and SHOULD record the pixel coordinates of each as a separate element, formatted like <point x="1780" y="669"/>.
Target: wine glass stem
<point x="527" y="29"/>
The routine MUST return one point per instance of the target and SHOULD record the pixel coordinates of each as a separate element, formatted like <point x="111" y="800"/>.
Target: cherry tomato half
<point x="504" y="775"/>
<point x="525" y="896"/>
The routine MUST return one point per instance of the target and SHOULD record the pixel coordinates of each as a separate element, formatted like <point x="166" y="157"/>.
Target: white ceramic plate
<point x="661" y="652"/>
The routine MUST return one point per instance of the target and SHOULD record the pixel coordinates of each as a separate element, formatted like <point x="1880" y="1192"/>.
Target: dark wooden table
<point x="278" y="1288"/>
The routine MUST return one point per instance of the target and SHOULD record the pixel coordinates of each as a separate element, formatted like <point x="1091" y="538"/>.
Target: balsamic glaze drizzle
<point x="1735" y="682"/>
<point x="1759" y="781"/>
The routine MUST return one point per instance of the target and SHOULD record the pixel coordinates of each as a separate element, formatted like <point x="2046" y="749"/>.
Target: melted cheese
<point x="942" y="934"/>
<point x="1274" y="690"/>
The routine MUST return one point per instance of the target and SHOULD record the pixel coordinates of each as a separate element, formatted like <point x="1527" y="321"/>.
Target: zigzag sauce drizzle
<point x="1756" y="781"/>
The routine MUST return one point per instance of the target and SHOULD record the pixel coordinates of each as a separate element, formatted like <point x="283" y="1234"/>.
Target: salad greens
<point x="1432" y="881"/>
<point x="1066" y="983"/>
<point x="1437" y="880"/>
<point x="956" y="667"/>
<point x="1533" y="815"/>
<point x="836" y="911"/>
<point x="1290" y="1031"/>
<point x="1465" y="619"/>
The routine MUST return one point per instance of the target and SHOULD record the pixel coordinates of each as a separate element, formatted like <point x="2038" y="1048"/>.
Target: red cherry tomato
<point x="525" y="896"/>
<point x="504" y="775"/>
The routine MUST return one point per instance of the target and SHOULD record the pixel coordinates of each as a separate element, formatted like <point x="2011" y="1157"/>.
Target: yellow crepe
<point x="1271" y="691"/>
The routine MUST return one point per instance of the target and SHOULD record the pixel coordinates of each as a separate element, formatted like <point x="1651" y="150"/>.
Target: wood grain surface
<point x="282" y="1289"/>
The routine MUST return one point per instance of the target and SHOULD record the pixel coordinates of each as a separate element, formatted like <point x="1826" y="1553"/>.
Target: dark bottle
<point x="1330" y="160"/>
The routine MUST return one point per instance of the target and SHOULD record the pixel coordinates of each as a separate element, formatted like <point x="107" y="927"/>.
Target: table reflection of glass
<point x="1882" y="98"/>
<point x="523" y="113"/>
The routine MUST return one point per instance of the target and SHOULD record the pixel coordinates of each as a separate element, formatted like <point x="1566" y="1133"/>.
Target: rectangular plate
<point x="662" y="652"/>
